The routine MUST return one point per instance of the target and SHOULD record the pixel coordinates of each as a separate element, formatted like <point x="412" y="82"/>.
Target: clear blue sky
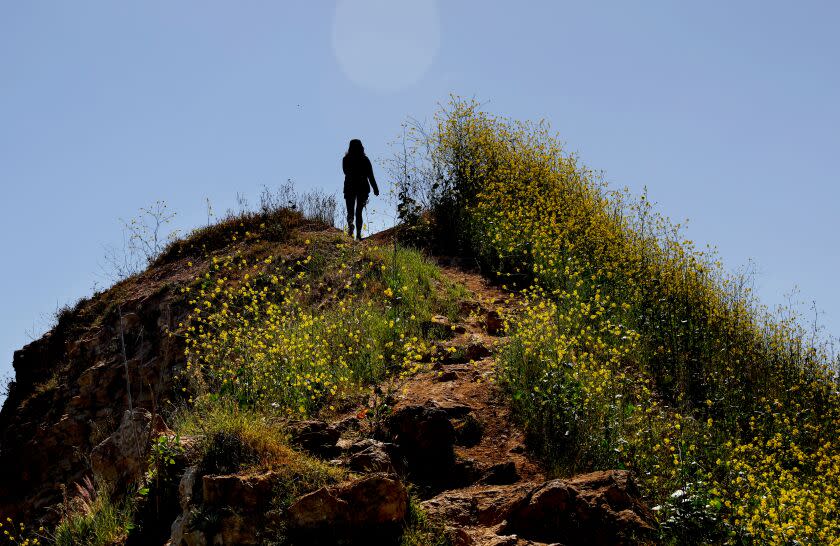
<point x="727" y="111"/>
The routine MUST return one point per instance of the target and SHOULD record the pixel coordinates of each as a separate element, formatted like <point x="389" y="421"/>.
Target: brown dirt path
<point x="470" y="381"/>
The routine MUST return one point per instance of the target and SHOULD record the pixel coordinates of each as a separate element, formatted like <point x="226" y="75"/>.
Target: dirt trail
<point x="495" y="493"/>
<point x="468" y="382"/>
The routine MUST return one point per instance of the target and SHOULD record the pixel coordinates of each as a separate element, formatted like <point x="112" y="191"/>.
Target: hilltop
<point x="528" y="358"/>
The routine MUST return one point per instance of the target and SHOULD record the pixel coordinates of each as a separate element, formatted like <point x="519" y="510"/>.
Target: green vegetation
<point x="233" y="440"/>
<point x="16" y="534"/>
<point x="635" y="349"/>
<point x="420" y="530"/>
<point x="293" y="336"/>
<point x="101" y="521"/>
<point x="627" y="347"/>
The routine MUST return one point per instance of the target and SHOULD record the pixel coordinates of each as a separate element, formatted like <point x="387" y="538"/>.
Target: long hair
<point x="355" y="148"/>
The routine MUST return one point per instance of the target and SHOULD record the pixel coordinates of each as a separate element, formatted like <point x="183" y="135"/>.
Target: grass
<point x="102" y="522"/>
<point x="420" y="530"/>
<point x="274" y="225"/>
<point x="233" y="440"/>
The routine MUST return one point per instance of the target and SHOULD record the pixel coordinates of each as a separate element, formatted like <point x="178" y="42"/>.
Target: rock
<point x="464" y="472"/>
<point x="493" y="323"/>
<point x="100" y="384"/>
<point x="500" y="474"/>
<point x="363" y="511"/>
<point x="371" y="456"/>
<point x="227" y="527"/>
<point x="466" y="307"/>
<point x="317" y="437"/>
<point x="244" y="492"/>
<point x="476" y="350"/>
<point x="186" y="487"/>
<point x="442" y="321"/>
<point x="348" y="424"/>
<point x="122" y="457"/>
<point x="447" y="376"/>
<point x="483" y="505"/>
<point x="468" y="431"/>
<point x="597" y="508"/>
<point x="453" y="410"/>
<point x="426" y="439"/>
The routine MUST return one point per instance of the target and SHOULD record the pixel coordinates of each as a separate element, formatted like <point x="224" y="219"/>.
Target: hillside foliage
<point x="635" y="349"/>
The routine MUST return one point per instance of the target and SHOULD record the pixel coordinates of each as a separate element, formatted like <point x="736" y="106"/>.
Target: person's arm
<point x="372" y="179"/>
<point x="344" y="164"/>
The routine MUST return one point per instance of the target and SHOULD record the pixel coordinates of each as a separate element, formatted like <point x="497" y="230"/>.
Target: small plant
<point x="144" y="238"/>
<point x="92" y="517"/>
<point x="420" y="530"/>
<point x="16" y="534"/>
<point x="226" y="453"/>
<point x="163" y="455"/>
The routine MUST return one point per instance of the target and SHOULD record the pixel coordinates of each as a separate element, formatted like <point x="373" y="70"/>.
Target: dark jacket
<point x="357" y="172"/>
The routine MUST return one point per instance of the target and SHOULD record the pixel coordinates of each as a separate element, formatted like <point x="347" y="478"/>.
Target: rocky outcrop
<point x="236" y="509"/>
<point x="369" y="455"/>
<point x="426" y="438"/>
<point x="122" y="458"/>
<point x="597" y="508"/>
<point x="71" y="389"/>
<point x="223" y="509"/>
<point x="372" y="506"/>
<point x="593" y="509"/>
<point x="316" y="437"/>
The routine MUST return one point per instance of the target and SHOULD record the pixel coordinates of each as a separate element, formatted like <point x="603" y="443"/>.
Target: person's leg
<point x="349" y="200"/>
<point x="361" y="201"/>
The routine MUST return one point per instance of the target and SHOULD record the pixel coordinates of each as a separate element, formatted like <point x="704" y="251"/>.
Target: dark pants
<point x="356" y="202"/>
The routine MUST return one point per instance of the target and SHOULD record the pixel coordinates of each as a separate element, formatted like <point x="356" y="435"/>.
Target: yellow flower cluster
<point x="12" y="533"/>
<point x="296" y="335"/>
<point x="635" y="348"/>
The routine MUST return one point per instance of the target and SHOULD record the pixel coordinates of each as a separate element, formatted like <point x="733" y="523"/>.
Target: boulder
<point x="317" y="437"/>
<point x="493" y="323"/>
<point x="122" y="457"/>
<point x="369" y="455"/>
<point x="468" y="430"/>
<point x="484" y="506"/>
<point x="602" y="507"/>
<point x="243" y="492"/>
<point x="426" y="438"/>
<point x="500" y="474"/>
<point x="368" y="510"/>
<point x="598" y="508"/>
<point x="476" y="350"/>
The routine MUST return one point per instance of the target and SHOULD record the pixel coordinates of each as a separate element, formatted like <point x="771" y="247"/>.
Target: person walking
<point x="358" y="180"/>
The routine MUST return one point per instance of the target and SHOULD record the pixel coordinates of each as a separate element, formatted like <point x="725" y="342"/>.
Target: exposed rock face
<point x="122" y="457"/>
<point x="70" y="390"/>
<point x="223" y="509"/>
<point x="317" y="437"/>
<point x="244" y="492"/>
<point x="368" y="455"/>
<point x="364" y="511"/>
<point x="234" y="509"/>
<point x="596" y="508"/>
<point x="426" y="439"/>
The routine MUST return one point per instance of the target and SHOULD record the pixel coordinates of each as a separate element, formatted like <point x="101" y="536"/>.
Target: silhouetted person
<point x="358" y="179"/>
